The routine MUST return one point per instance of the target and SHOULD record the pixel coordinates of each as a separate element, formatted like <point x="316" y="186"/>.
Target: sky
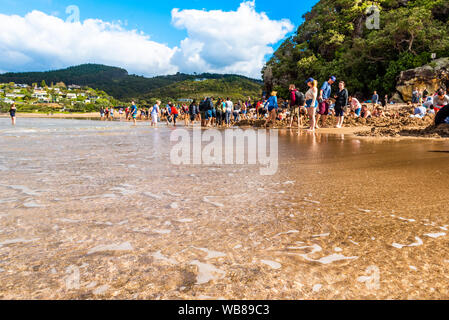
<point x="147" y="38"/>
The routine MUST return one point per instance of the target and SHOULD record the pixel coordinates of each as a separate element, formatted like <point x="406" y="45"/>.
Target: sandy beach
<point x="94" y="210"/>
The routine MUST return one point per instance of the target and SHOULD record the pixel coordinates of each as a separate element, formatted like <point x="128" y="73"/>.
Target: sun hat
<point x="310" y="80"/>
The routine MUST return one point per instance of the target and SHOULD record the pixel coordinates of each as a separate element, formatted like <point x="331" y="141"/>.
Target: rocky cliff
<point x="431" y="76"/>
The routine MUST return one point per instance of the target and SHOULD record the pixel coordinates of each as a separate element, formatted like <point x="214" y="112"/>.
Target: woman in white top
<point x="311" y="102"/>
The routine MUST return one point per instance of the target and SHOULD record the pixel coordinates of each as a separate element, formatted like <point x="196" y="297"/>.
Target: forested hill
<point x="118" y="83"/>
<point x="335" y="40"/>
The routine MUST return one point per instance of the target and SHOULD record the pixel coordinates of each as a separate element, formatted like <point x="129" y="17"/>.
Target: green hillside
<point x="119" y="84"/>
<point x="233" y="86"/>
<point x="334" y="40"/>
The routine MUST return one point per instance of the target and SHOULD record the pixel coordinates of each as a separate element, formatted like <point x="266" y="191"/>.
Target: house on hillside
<point x="14" y="95"/>
<point x="74" y="87"/>
<point x="71" y="96"/>
<point x="39" y="94"/>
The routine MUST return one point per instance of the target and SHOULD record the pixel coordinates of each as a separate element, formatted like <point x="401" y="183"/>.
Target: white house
<point x="71" y="95"/>
<point x="14" y="95"/>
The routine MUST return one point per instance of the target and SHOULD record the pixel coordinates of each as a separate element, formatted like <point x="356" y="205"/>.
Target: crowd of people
<point x="315" y="106"/>
<point x="210" y="112"/>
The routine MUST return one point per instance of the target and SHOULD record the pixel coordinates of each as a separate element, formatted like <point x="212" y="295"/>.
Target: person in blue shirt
<point x="155" y="112"/>
<point x="133" y="112"/>
<point x="168" y="108"/>
<point x="375" y="98"/>
<point x="272" y="106"/>
<point x="324" y="102"/>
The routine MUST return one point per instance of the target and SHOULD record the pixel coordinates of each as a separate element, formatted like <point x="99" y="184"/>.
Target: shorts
<point x="271" y="109"/>
<point x="339" y="112"/>
<point x="154" y="118"/>
<point x="244" y="112"/>
<point x="214" y="113"/>
<point x="309" y="104"/>
<point x="134" y="116"/>
<point x="203" y="114"/>
<point x="323" y="108"/>
<point x="208" y="114"/>
<point x="192" y="117"/>
<point x="358" y="112"/>
<point x="102" y="115"/>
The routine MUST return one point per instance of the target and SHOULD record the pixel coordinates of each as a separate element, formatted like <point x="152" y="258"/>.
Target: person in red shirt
<point x="127" y="114"/>
<point x="258" y="106"/>
<point x="175" y="113"/>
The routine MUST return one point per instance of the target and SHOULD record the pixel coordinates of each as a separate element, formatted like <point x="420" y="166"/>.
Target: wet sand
<point x="344" y="218"/>
<point x="91" y="115"/>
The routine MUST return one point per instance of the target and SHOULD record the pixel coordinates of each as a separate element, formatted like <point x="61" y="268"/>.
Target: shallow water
<point x="99" y="206"/>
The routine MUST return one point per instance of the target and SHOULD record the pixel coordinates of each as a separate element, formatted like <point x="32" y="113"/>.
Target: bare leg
<point x="323" y="121"/>
<point x="312" y="119"/>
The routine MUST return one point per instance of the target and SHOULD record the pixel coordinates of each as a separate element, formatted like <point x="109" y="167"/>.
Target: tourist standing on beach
<point x="175" y="114"/>
<point x="155" y="113"/>
<point x="229" y="109"/>
<point x="415" y="96"/>
<point x="126" y="114"/>
<point x="324" y="103"/>
<point x="214" y="113"/>
<point x="101" y="113"/>
<point x="312" y="102"/>
<point x="341" y="102"/>
<point x="185" y="112"/>
<point x="193" y="111"/>
<point x="236" y="112"/>
<point x="112" y="113"/>
<point x="223" y="108"/>
<point x="385" y="102"/>
<point x="133" y="112"/>
<point x="12" y="114"/>
<point x="219" y="112"/>
<point x="272" y="107"/>
<point x="375" y="99"/>
<point x="294" y="110"/>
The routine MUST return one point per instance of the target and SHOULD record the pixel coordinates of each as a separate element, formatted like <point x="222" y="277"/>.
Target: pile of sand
<point x="394" y="124"/>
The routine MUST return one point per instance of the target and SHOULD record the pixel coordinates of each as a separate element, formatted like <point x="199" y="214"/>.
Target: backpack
<point x="203" y="106"/>
<point x="300" y="98"/>
<point x="209" y="105"/>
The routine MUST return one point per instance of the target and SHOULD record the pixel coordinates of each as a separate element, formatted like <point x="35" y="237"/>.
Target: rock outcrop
<point x="431" y="76"/>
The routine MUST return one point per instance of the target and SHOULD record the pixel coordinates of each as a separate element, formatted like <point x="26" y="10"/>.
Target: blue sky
<point x="154" y="19"/>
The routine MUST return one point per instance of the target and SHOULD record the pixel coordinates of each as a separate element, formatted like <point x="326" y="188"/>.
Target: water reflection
<point x="340" y="220"/>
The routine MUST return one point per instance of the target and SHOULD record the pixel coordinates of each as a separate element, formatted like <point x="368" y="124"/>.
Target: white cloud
<point x="39" y="41"/>
<point x="218" y="41"/>
<point x="227" y="42"/>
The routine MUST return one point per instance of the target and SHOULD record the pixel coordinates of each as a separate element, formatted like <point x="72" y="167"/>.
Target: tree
<point x="334" y="40"/>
